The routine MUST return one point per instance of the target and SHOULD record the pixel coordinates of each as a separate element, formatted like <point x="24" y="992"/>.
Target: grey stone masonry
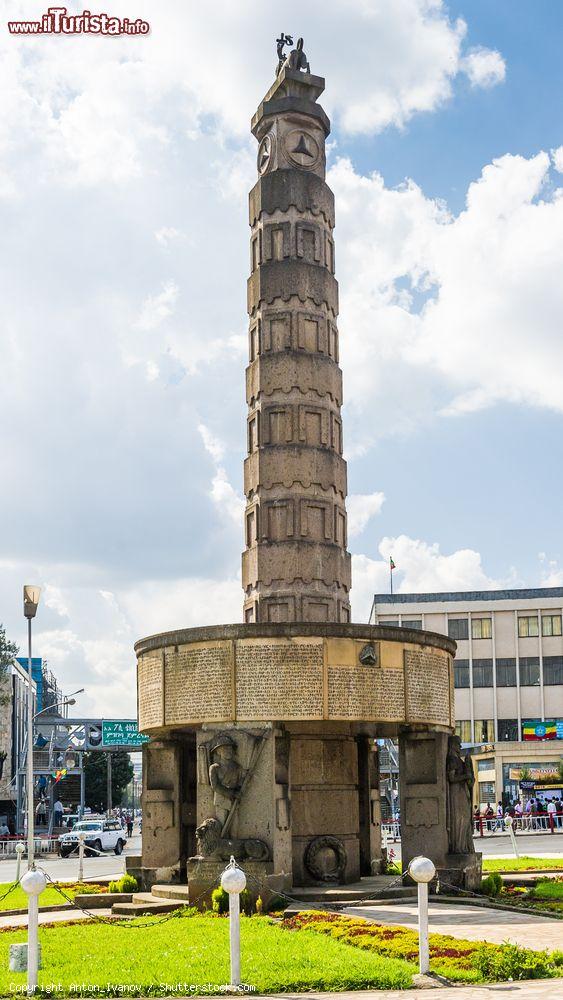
<point x="295" y="566"/>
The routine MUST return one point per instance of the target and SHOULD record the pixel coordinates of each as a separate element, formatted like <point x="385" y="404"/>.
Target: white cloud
<point x="167" y="235"/>
<point x="227" y="501"/>
<point x="361" y="508"/>
<point x="484" y="67"/>
<point x="557" y="159"/>
<point x="420" y="567"/>
<point x="443" y="313"/>
<point x="157" y="308"/>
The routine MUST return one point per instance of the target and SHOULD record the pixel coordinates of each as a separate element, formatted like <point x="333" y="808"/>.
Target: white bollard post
<point x="233" y="881"/>
<point x="422" y="870"/>
<point x="509" y="823"/>
<point x="81" y="856"/>
<point x="20" y="848"/>
<point x="33" y="883"/>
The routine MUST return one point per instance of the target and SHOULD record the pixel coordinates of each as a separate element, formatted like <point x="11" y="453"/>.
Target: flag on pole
<point x="59" y="774"/>
<point x="391" y="568"/>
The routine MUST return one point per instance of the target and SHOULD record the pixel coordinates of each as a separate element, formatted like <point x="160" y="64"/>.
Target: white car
<point x="101" y="834"/>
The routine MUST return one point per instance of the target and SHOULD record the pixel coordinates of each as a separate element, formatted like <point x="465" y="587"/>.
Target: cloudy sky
<point x="124" y="170"/>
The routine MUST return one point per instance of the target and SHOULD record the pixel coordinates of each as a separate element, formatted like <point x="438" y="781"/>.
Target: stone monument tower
<point x="262" y="734"/>
<point x="295" y="567"/>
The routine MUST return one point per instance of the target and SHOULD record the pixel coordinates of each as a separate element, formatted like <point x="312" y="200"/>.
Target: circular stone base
<point x="293" y="672"/>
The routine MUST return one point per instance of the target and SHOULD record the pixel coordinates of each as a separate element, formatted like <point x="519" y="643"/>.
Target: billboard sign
<point x="122" y="733"/>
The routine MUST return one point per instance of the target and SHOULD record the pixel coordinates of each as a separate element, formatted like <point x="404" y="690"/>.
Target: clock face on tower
<point x="265" y="154"/>
<point x="302" y="148"/>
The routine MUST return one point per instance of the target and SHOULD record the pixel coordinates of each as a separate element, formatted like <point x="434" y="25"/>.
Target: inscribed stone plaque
<point x="279" y="680"/>
<point x="366" y="693"/>
<point x="422" y="812"/>
<point x="150" y="690"/>
<point x="198" y="683"/>
<point x="427" y="686"/>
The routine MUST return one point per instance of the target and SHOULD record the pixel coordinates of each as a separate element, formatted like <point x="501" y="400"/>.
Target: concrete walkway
<point x="547" y="989"/>
<point x="475" y="923"/>
<point x="56" y="916"/>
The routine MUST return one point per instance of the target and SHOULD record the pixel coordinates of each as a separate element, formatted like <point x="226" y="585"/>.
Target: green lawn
<point x="524" y="864"/>
<point x="549" y="889"/>
<point x="17" y="899"/>
<point x="194" y="950"/>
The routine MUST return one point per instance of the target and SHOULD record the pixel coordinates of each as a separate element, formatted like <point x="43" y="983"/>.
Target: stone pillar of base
<point x="422" y="775"/>
<point x="371" y="859"/>
<point x="162" y="812"/>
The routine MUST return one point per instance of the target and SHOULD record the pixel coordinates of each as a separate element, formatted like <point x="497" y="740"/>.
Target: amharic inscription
<point x="150" y="690"/>
<point x="198" y="683"/>
<point x="427" y="678"/>
<point x="366" y="693"/>
<point x="279" y="680"/>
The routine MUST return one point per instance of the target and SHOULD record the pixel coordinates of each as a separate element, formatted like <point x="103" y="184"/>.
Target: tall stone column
<point x="295" y="567"/>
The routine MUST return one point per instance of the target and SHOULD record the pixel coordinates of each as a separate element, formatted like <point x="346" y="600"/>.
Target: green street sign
<point x="122" y="733"/>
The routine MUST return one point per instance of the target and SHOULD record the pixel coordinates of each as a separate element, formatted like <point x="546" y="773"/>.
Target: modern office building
<point x="508" y="675"/>
<point x="13" y="729"/>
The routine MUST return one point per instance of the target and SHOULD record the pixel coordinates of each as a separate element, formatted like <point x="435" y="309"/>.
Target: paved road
<point x="475" y="923"/>
<point x="535" y="845"/>
<point x="66" y="869"/>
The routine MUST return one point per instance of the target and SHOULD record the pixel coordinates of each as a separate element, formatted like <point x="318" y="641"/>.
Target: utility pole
<point x="109" y="781"/>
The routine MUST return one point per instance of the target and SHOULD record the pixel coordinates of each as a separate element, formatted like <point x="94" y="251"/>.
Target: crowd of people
<point x="533" y="814"/>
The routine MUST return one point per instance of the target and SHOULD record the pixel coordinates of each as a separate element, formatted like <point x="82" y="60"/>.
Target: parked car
<point x="100" y="834"/>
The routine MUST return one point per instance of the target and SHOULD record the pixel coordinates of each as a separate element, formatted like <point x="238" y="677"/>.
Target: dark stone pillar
<point x="369" y="806"/>
<point x="422" y="772"/>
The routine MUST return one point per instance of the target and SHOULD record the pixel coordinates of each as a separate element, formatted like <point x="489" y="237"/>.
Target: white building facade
<point x="509" y="661"/>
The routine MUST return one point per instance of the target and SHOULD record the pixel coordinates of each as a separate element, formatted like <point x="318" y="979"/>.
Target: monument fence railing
<point x="490" y="826"/>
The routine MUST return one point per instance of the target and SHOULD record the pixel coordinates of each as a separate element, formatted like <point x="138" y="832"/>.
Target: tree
<point x="8" y="653"/>
<point x="95" y="775"/>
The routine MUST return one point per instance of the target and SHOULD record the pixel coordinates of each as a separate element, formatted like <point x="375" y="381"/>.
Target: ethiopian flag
<point x="59" y="774"/>
<point x="539" y="730"/>
<point x="391" y="563"/>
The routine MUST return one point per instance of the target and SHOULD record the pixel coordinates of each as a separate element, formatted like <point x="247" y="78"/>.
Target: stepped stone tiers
<point x="262" y="735"/>
<point x="295" y="567"/>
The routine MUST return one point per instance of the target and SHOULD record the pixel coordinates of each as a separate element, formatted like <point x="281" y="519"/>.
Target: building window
<point x="391" y="621"/>
<point x="461" y="673"/>
<point x="487" y="792"/>
<point x="458" y="628"/>
<point x="486" y="764"/>
<point x="553" y="669"/>
<point x="508" y="729"/>
<point x="481" y="628"/>
<point x="482" y="673"/>
<point x="463" y="730"/>
<point x="506" y="672"/>
<point x="415" y="623"/>
<point x="484" y="731"/>
<point x="528" y="625"/>
<point x="551" y="625"/>
<point x="529" y="671"/>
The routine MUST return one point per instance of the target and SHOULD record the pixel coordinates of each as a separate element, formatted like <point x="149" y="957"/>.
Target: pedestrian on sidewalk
<point x="499" y="825"/>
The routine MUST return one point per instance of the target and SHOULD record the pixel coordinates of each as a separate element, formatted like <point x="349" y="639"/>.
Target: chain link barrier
<point x="128" y="921"/>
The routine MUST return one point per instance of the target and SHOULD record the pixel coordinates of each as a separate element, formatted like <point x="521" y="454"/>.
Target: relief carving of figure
<point x="225" y="775"/>
<point x="459" y="772"/>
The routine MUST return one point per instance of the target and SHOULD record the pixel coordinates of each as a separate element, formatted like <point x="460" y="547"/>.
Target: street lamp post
<point x="31" y="597"/>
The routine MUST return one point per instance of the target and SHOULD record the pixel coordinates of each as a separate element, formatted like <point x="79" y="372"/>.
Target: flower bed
<point x="454" y="958"/>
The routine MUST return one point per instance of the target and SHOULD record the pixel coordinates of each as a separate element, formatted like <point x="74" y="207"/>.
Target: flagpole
<point x="391" y="578"/>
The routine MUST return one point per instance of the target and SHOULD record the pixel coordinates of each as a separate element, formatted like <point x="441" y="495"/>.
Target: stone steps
<point x="145" y="902"/>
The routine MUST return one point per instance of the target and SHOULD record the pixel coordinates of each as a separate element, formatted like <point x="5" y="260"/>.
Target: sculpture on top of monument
<point x="459" y="772"/>
<point x="297" y="60"/>
<point x="281" y="42"/>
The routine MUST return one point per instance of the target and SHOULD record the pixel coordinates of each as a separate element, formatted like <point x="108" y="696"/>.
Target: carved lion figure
<point x="210" y="843"/>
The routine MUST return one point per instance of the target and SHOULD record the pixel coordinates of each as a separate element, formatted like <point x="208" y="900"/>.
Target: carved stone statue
<point x="297" y="59"/>
<point x="210" y="844"/>
<point x="459" y="772"/>
<point x="281" y="42"/>
<point x="225" y="775"/>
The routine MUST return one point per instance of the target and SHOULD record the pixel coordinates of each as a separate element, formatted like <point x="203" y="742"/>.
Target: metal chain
<point x="126" y="921"/>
